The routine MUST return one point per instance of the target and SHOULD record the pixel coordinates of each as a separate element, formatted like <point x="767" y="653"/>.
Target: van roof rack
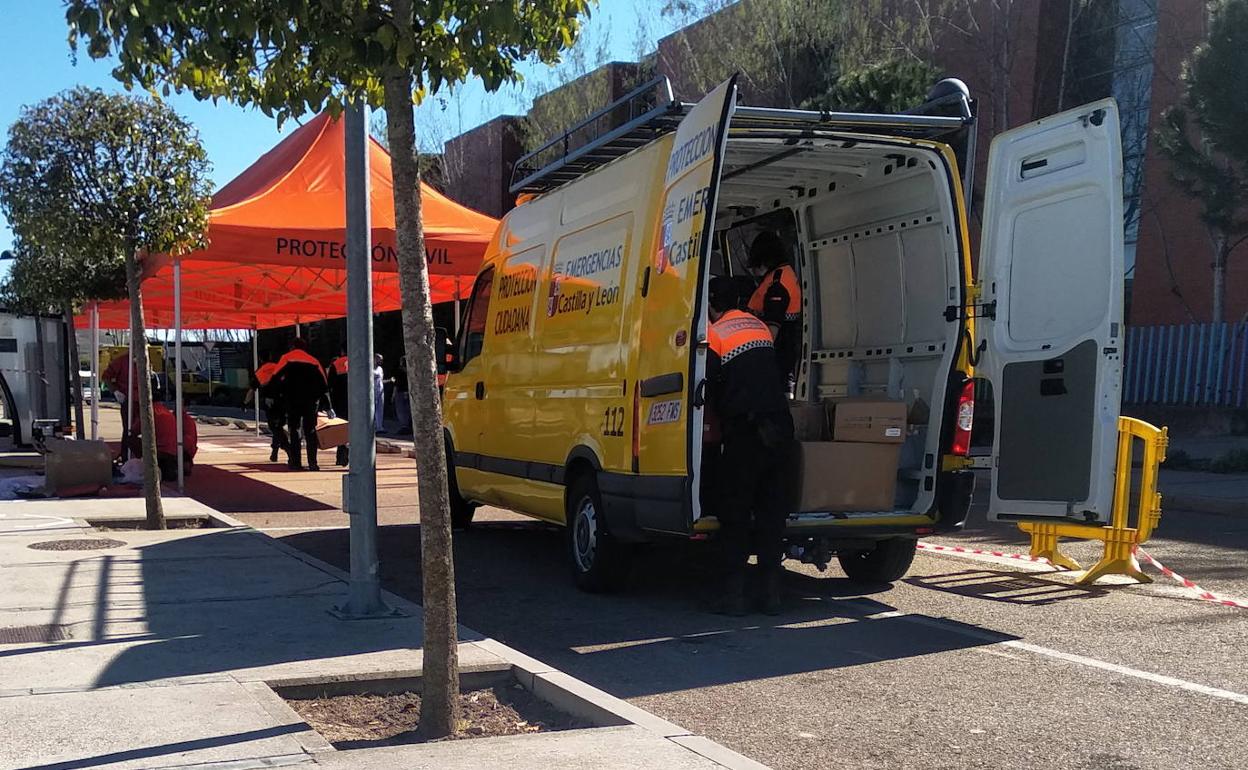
<point x="650" y="110"/>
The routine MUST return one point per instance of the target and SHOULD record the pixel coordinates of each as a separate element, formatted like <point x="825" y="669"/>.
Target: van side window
<point x="478" y="312"/>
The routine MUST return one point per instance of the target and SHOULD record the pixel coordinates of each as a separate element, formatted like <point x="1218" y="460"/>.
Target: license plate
<point x="664" y="412"/>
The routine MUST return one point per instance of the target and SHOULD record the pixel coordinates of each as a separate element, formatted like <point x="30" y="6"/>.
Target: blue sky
<point x="35" y="63"/>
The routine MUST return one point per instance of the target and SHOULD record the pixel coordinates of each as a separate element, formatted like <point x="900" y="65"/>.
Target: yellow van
<point x="576" y="393"/>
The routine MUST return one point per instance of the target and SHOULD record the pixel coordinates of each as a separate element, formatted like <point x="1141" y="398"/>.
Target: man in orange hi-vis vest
<point x="756" y="449"/>
<point x="778" y="299"/>
<point x="304" y="387"/>
<point x="274" y="410"/>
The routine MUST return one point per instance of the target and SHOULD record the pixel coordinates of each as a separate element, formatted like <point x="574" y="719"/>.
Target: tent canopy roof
<point x="277" y="237"/>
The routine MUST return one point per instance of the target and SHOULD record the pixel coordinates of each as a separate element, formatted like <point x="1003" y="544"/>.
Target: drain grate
<point x="27" y="634"/>
<point x="75" y="545"/>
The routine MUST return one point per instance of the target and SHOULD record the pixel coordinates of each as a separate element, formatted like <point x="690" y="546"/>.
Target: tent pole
<point x="177" y="366"/>
<point x="255" y="365"/>
<point x="95" y="371"/>
<point x="130" y="386"/>
<point x="359" y="490"/>
<point x="456" y="324"/>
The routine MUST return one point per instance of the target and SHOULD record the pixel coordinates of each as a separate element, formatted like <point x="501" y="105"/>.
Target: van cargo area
<point x="875" y="233"/>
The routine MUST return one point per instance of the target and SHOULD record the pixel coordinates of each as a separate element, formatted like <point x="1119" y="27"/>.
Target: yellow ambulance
<point x="576" y="386"/>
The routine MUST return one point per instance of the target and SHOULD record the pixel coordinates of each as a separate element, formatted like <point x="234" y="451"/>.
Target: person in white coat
<point x="379" y="391"/>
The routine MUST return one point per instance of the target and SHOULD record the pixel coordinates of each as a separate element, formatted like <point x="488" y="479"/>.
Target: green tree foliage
<point x="1204" y="136"/>
<point x="891" y="86"/>
<point x="292" y="57"/>
<point x="90" y="182"/>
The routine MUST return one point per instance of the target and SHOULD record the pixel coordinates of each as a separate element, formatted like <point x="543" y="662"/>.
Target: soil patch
<point x="92" y="544"/>
<point x="365" y="721"/>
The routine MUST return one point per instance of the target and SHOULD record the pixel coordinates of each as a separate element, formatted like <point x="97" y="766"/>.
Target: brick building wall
<point x="476" y="165"/>
<point x="1173" y="276"/>
<point x="1011" y="58"/>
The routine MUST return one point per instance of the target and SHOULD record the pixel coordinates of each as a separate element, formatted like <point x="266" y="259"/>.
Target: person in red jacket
<point x="167" y="441"/>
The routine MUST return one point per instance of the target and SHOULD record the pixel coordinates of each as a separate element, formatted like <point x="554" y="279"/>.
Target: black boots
<point x="273" y="455"/>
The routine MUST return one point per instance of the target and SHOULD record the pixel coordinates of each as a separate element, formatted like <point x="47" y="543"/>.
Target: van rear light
<point x="966" y="420"/>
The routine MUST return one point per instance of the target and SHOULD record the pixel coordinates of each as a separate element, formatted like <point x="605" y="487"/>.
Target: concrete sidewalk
<point x="163" y="650"/>
<point x="1221" y="493"/>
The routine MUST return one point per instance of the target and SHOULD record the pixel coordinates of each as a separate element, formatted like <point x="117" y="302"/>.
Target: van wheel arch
<point x="461" y="509"/>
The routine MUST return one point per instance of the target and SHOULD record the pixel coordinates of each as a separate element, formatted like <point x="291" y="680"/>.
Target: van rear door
<point x="667" y="412"/>
<point x="1050" y="326"/>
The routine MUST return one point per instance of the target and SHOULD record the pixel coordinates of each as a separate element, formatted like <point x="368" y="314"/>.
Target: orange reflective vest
<point x="265" y="373"/>
<point x="298" y="356"/>
<point x="736" y="332"/>
<point x="339" y="365"/>
<point x="779" y="297"/>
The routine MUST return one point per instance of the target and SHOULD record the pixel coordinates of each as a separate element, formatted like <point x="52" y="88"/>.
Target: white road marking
<point x="1083" y="660"/>
<point x="299" y="529"/>
<point x="208" y="446"/>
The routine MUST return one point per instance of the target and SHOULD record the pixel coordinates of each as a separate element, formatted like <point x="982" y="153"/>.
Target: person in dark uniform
<point x="303" y="385"/>
<point x="274" y="410"/>
<point x="338" y="399"/>
<point x="756" y="445"/>
<point x="778" y="300"/>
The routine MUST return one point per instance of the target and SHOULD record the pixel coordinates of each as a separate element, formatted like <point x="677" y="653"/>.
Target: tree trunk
<point x="439" y="711"/>
<point x="75" y="380"/>
<point x="141" y="370"/>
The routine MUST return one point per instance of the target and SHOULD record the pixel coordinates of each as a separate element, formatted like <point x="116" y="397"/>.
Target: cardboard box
<point x="76" y="467"/>
<point x="331" y="432"/>
<point x="868" y="420"/>
<point x="810" y="421"/>
<point x="848" y="476"/>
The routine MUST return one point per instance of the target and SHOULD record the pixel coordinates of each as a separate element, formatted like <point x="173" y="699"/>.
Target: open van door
<point x="671" y="358"/>
<point x="1050" y="326"/>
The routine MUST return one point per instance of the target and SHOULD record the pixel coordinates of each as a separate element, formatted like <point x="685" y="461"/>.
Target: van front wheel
<point x="599" y="561"/>
<point x="890" y="560"/>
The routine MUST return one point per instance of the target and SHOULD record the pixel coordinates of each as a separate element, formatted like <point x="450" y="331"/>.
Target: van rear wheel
<point x="599" y="561"/>
<point x="461" y="510"/>
<point x="889" y="561"/>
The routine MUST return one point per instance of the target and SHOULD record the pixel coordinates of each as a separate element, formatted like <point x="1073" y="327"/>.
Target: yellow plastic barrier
<point x="1119" y="538"/>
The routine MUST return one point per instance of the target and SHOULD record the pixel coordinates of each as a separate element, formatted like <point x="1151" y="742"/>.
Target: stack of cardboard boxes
<point x="849" y="453"/>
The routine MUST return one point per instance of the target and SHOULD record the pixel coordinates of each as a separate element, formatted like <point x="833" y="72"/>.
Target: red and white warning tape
<point x="978" y="552"/>
<point x="1201" y="593"/>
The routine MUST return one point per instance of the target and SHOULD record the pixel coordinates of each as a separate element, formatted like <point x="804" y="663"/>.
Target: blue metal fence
<point x="1191" y="364"/>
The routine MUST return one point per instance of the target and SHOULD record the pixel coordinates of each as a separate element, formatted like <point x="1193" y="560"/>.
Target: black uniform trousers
<point x="275" y="416"/>
<point x="755" y="472"/>
<point x="301" y="419"/>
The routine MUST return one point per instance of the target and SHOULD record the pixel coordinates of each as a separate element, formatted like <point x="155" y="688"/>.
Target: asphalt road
<point x="964" y="664"/>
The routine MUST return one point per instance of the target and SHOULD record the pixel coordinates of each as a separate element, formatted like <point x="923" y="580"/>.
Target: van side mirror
<point x="442" y="352"/>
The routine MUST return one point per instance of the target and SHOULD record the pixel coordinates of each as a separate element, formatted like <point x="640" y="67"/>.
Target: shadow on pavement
<point x="181" y="747"/>
<point x="513" y="584"/>
<point x="1007" y="587"/>
<point x="228" y="600"/>
<point x="229" y="491"/>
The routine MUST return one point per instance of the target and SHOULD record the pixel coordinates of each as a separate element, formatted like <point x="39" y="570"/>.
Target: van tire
<point x="462" y="511"/>
<point x="599" y="562"/>
<point x="889" y="561"/>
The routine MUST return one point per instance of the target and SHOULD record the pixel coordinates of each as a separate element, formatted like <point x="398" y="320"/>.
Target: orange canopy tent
<point x="276" y="243"/>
